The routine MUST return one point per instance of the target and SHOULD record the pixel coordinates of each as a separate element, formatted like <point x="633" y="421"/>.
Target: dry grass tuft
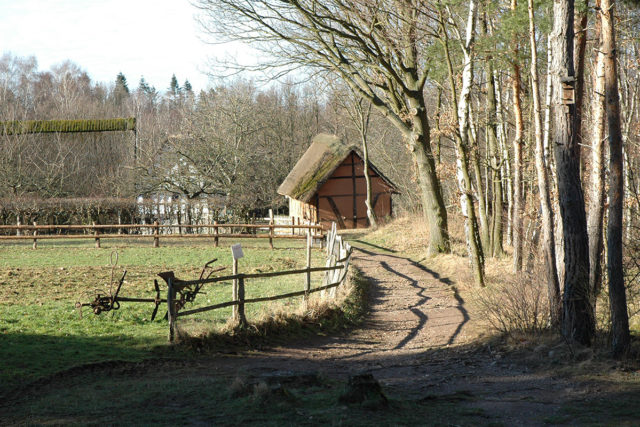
<point x="261" y="392"/>
<point x="321" y="315"/>
<point x="238" y="388"/>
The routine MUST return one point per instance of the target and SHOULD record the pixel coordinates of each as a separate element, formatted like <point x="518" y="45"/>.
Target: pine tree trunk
<point x="505" y="169"/>
<point x="481" y="195"/>
<point x="544" y="187"/>
<point x="485" y="237"/>
<point x="495" y="161"/>
<point x="548" y="159"/>
<point x="518" y="195"/>
<point x="595" y="215"/>
<point x="580" y="45"/>
<point x="578" y="316"/>
<point x="620" y="339"/>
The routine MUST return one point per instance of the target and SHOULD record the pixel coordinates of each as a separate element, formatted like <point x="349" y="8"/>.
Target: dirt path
<point x="413" y="342"/>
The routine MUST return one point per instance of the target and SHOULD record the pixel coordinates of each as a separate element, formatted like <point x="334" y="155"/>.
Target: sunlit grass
<point x="41" y="332"/>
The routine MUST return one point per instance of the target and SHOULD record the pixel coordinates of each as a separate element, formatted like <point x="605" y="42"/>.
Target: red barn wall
<point x="335" y="199"/>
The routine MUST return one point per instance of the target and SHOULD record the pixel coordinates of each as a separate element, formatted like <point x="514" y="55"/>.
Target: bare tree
<point x="359" y="111"/>
<point x="377" y="48"/>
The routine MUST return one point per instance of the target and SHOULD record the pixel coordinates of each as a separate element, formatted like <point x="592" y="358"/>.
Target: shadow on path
<point x="422" y="317"/>
<point x="414" y="283"/>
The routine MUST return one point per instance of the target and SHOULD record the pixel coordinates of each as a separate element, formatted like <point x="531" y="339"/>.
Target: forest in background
<point x="230" y="146"/>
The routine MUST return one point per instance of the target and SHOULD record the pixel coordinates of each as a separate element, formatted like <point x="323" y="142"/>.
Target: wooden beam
<point x="353" y="180"/>
<point x="336" y="211"/>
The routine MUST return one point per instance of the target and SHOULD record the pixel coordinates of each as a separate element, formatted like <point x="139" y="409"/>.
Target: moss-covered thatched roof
<point x="316" y="165"/>
<point x="20" y="127"/>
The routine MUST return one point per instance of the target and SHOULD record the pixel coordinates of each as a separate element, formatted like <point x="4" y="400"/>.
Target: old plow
<point x="110" y="301"/>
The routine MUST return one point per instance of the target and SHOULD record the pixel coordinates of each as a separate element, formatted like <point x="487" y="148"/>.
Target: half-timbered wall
<point x="342" y="197"/>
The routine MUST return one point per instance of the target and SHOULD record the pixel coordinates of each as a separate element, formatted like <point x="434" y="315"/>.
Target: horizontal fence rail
<point x="262" y="299"/>
<point x="156" y="231"/>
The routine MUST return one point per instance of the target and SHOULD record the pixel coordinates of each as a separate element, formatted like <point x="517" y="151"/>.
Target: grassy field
<point x="41" y="332"/>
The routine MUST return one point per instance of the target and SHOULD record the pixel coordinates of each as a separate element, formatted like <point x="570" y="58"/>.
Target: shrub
<point x="515" y="308"/>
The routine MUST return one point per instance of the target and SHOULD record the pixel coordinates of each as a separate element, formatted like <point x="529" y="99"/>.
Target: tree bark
<point x="620" y="339"/>
<point x="595" y="215"/>
<point x="430" y="189"/>
<point x="485" y="237"/>
<point x="548" y="240"/>
<point x="461" y="113"/>
<point x="420" y="141"/>
<point x="580" y="45"/>
<point x="495" y="163"/>
<point x="364" y="114"/>
<point x="462" y="149"/>
<point x="518" y="196"/>
<point x="506" y="160"/>
<point x="578" y="317"/>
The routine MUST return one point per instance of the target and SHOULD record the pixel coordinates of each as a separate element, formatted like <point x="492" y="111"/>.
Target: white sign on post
<point x="236" y="250"/>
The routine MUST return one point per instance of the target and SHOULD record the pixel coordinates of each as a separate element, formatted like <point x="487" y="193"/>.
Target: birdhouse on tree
<point x="568" y="90"/>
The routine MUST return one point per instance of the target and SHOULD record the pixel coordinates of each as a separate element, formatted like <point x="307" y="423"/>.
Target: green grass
<point x="41" y="332"/>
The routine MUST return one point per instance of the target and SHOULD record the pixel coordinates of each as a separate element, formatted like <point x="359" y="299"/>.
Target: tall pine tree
<point x="174" y="86"/>
<point x="121" y="90"/>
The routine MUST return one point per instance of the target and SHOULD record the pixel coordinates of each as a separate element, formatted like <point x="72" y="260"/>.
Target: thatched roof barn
<point x="328" y="184"/>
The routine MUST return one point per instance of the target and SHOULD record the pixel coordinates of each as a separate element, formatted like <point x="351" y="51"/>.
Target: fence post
<point x="95" y="233"/>
<point x="35" y="233"/>
<point x="307" y="283"/>
<point x="215" y="231"/>
<point x="18" y="231"/>
<point x="240" y="306"/>
<point x="119" y="220"/>
<point x="171" y="309"/>
<point x="337" y="273"/>
<point x="271" y="223"/>
<point x="234" y="290"/>
<point x="156" y="234"/>
<point x="328" y="275"/>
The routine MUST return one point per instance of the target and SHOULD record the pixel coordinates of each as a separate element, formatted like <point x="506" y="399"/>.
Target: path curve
<point x="413" y="341"/>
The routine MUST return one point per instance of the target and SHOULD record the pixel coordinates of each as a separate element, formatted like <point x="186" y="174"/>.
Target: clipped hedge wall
<point x="21" y="127"/>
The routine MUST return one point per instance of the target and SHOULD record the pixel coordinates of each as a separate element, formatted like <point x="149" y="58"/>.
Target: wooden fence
<point x="155" y="231"/>
<point x="336" y="269"/>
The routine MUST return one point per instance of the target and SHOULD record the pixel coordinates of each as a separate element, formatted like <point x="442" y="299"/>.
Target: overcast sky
<point x="150" y="38"/>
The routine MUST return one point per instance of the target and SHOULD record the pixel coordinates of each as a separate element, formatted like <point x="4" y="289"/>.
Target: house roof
<point x="317" y="164"/>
